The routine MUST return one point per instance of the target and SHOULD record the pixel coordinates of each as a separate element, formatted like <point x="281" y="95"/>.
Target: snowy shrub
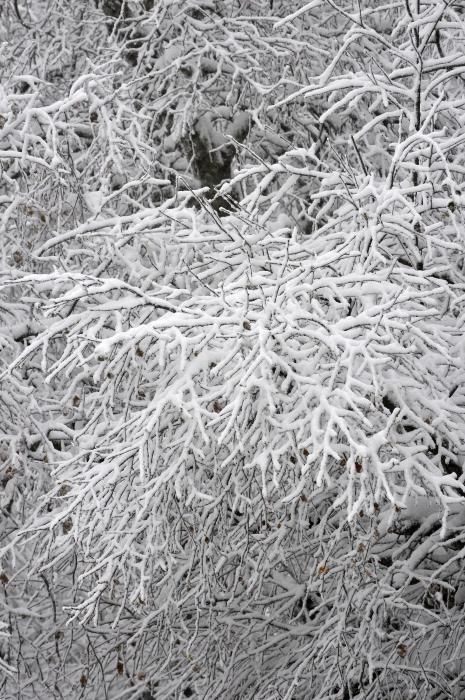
<point x="232" y="348"/>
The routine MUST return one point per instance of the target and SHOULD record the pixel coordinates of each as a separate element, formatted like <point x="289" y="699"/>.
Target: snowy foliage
<point x="231" y="335"/>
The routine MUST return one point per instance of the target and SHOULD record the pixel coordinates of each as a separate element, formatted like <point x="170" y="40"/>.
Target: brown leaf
<point x="7" y="475"/>
<point x="83" y="681"/>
